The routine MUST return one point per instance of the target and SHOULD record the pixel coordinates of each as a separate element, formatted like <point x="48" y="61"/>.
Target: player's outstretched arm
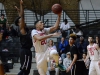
<point x="56" y="25"/>
<point x="38" y="37"/>
<point x="73" y="62"/>
<point x="21" y="20"/>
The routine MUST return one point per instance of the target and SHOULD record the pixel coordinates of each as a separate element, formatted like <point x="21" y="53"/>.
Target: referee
<point x="26" y="42"/>
<point x="77" y="67"/>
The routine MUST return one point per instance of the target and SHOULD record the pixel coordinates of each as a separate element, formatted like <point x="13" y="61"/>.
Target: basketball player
<point x="26" y="43"/>
<point x="39" y="38"/>
<point x="77" y="67"/>
<point x="93" y="51"/>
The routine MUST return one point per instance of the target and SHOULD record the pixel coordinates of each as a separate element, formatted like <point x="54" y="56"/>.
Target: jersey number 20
<point x="43" y="42"/>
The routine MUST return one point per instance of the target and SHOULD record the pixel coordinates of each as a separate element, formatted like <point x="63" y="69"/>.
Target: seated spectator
<point x="11" y="31"/>
<point x="51" y="65"/>
<point x="64" y="27"/>
<point x="51" y="44"/>
<point x="3" y="31"/>
<point x="78" y="31"/>
<point x="66" y="62"/>
<point x="3" y="21"/>
<point x="87" y="63"/>
<point x="97" y="39"/>
<point x="62" y="47"/>
<point x="82" y="46"/>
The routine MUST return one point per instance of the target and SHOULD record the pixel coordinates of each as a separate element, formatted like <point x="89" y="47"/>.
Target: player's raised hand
<point x="17" y="8"/>
<point x="59" y="14"/>
<point x="21" y="1"/>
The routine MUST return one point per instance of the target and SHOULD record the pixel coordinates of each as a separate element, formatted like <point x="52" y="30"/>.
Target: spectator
<point x="77" y="65"/>
<point x="51" y="44"/>
<point x="65" y="26"/>
<point x="51" y="68"/>
<point x="82" y="46"/>
<point x="66" y="62"/>
<point x="11" y="31"/>
<point x="3" y="21"/>
<point x="62" y="47"/>
<point x="97" y="39"/>
<point x="77" y="31"/>
<point x="87" y="63"/>
<point x="3" y="31"/>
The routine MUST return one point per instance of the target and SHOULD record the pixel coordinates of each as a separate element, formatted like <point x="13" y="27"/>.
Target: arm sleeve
<point x="47" y="30"/>
<point x="34" y="32"/>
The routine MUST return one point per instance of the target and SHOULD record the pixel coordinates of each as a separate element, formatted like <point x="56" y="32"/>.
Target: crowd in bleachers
<point x="64" y="51"/>
<point x="9" y="53"/>
<point x="65" y="55"/>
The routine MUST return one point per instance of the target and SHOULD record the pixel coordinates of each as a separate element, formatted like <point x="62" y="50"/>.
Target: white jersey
<point x="40" y="46"/>
<point x="93" y="52"/>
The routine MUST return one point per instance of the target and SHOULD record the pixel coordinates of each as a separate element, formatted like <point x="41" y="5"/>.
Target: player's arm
<point x="74" y="60"/>
<point x="98" y="48"/>
<point x="56" y="25"/>
<point x="87" y="57"/>
<point x="18" y="10"/>
<point x="38" y="37"/>
<point x="21" y="14"/>
<point x="22" y="25"/>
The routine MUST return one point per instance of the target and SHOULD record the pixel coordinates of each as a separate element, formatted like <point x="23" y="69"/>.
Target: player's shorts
<point x="41" y="61"/>
<point x="94" y="68"/>
<point x="78" y="68"/>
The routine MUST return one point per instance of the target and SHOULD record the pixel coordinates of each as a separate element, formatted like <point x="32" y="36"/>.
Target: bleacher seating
<point x="13" y="48"/>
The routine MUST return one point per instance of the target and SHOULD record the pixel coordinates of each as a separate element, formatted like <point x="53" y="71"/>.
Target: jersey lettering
<point x="91" y="50"/>
<point x="43" y="42"/>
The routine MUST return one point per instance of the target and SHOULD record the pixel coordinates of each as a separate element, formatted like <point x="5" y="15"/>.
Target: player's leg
<point x="80" y="68"/>
<point x="92" y="70"/>
<point x="22" y="61"/>
<point x="28" y="63"/>
<point x="41" y="71"/>
<point x="41" y="63"/>
<point x="97" y="68"/>
<point x="25" y="60"/>
<point x="54" y="54"/>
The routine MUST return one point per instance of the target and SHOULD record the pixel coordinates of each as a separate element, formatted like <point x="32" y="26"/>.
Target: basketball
<point x="57" y="8"/>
